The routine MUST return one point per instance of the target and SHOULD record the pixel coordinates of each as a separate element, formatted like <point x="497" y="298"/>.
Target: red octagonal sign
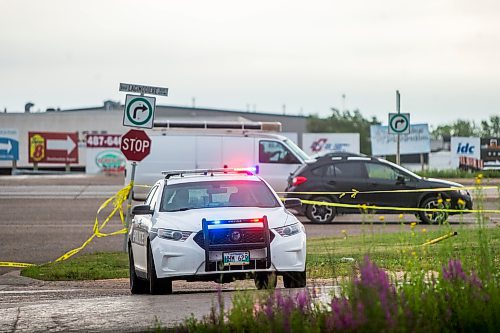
<point x="135" y="145"/>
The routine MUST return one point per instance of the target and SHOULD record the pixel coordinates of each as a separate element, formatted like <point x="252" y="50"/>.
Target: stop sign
<point x="135" y="145"/>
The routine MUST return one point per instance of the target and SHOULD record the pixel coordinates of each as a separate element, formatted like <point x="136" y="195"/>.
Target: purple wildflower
<point x="303" y="301"/>
<point x="454" y="271"/>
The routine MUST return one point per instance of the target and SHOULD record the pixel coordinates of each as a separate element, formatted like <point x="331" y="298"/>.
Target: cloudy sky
<point x="443" y="55"/>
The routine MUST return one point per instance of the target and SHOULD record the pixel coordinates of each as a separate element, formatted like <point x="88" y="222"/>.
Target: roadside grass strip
<point x="94" y="266"/>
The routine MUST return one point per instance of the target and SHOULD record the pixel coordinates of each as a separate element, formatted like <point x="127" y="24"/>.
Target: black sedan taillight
<point x="298" y="180"/>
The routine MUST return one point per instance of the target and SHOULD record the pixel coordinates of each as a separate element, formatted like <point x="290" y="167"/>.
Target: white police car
<point x="214" y="225"/>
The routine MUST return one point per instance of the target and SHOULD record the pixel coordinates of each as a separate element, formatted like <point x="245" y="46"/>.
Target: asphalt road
<point x="42" y="218"/>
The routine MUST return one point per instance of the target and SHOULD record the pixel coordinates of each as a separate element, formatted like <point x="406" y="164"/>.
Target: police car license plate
<point x="236" y="258"/>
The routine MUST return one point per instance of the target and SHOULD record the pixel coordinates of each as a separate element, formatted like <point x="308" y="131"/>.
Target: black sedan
<point x="344" y="172"/>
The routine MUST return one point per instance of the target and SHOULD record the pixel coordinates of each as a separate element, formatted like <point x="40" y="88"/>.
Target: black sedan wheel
<point x="432" y="217"/>
<point x="320" y="213"/>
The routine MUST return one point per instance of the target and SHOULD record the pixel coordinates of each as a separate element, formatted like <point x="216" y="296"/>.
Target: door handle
<point x="332" y="182"/>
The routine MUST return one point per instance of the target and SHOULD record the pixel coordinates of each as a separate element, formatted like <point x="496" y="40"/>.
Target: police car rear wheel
<point x="294" y="279"/>
<point x="157" y="286"/>
<point x="265" y="280"/>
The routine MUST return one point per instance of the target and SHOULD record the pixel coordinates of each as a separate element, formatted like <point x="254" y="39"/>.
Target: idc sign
<point x="468" y="147"/>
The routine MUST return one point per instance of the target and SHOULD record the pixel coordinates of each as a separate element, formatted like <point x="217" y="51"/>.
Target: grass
<point x="95" y="266"/>
<point x="329" y="257"/>
<point x="326" y="257"/>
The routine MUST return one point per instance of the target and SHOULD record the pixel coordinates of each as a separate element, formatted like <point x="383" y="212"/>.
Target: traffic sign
<point x="135" y="145"/>
<point x="399" y="123"/>
<point x="53" y="147"/>
<point x="136" y="88"/>
<point x="9" y="144"/>
<point x="139" y="111"/>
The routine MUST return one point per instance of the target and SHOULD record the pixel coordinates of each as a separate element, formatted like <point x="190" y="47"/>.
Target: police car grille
<point x="223" y="236"/>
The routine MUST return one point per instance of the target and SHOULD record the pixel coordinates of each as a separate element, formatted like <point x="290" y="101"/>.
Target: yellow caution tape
<point x="117" y="201"/>
<point x="436" y="240"/>
<point x="413" y="209"/>
<point x="355" y="192"/>
<point x="14" y="264"/>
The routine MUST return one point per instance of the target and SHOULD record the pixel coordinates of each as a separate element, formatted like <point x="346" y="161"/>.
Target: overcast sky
<point x="443" y="55"/>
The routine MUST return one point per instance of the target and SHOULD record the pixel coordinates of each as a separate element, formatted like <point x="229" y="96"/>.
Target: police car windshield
<point x="214" y="194"/>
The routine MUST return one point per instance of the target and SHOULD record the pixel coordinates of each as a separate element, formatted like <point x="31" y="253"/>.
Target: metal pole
<point x="14" y="167"/>
<point x="129" y="206"/>
<point x="398" y="156"/>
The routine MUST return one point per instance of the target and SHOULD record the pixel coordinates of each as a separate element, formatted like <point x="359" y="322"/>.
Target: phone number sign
<point x="103" y="140"/>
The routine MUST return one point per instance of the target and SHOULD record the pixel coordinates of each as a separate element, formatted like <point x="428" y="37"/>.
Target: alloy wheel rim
<point x="321" y="213"/>
<point x="437" y="217"/>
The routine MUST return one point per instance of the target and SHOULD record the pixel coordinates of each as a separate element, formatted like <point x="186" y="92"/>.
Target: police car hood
<point x="190" y="220"/>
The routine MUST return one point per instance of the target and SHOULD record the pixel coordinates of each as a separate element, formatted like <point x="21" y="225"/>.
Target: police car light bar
<point x="249" y="171"/>
<point x="261" y="219"/>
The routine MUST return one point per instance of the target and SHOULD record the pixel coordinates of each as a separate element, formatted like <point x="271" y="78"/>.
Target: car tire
<point x="137" y="285"/>
<point x="265" y="281"/>
<point x="294" y="279"/>
<point x="320" y="214"/>
<point x="157" y="286"/>
<point x="431" y="217"/>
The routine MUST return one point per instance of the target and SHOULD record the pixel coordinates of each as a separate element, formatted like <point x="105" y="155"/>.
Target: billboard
<point x="464" y="147"/>
<point x="104" y="154"/>
<point x="416" y="142"/>
<point x="314" y="143"/>
<point x="490" y="153"/>
<point x="9" y="144"/>
<point x="53" y="147"/>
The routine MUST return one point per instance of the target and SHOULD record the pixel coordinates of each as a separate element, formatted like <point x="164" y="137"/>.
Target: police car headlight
<point x="175" y="235"/>
<point x="289" y="230"/>
<point x="463" y="192"/>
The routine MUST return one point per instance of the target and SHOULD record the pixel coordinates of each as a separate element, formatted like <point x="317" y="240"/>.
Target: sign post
<point x="399" y="123"/>
<point x="135" y="145"/>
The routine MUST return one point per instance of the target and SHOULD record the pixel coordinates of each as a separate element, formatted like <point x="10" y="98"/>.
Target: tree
<point x="488" y="128"/>
<point x="345" y="122"/>
<point x="491" y="129"/>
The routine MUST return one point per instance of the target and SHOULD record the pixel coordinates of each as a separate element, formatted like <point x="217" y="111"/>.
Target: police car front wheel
<point x="294" y="279"/>
<point x="137" y="285"/>
<point x="265" y="280"/>
<point x="157" y="286"/>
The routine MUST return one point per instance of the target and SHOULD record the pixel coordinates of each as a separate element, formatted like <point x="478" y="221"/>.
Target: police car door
<point x="141" y="225"/>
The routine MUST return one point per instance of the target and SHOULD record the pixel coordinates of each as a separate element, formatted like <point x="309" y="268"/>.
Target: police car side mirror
<point x="292" y="203"/>
<point x="400" y="180"/>
<point x="142" y="210"/>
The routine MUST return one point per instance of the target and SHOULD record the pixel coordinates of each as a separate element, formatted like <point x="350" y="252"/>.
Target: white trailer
<point x="188" y="145"/>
